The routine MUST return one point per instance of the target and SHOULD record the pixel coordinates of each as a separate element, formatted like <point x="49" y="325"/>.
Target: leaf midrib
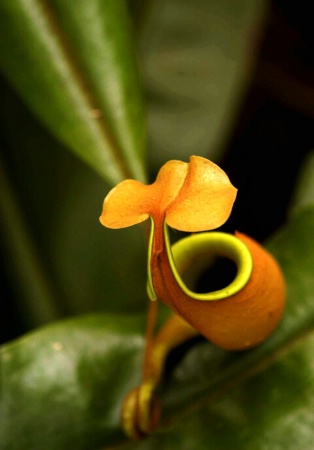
<point x="86" y="92"/>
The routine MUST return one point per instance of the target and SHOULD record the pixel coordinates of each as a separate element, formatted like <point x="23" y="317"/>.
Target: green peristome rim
<point x="150" y="287"/>
<point x="214" y="243"/>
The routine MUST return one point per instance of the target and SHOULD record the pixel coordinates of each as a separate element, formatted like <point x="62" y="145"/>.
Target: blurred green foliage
<point x="230" y="81"/>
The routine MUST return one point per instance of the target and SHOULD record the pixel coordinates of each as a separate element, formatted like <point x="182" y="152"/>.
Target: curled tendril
<point x="194" y="196"/>
<point x="141" y="409"/>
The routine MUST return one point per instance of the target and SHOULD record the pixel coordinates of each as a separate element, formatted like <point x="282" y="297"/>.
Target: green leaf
<point x="99" y="270"/>
<point x="29" y="277"/>
<point x="74" y="65"/>
<point x="304" y="193"/>
<point x="62" y="386"/>
<point x="197" y="59"/>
